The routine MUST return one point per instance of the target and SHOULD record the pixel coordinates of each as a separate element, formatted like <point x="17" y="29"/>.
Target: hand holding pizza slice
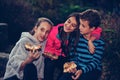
<point x="50" y="55"/>
<point x="32" y="48"/>
<point x="69" y="66"/>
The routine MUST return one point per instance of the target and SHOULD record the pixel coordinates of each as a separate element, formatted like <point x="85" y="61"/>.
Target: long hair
<point x="73" y="35"/>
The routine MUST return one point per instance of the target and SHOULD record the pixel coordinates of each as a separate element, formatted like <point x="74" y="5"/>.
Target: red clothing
<point x="97" y="32"/>
<point x="53" y="44"/>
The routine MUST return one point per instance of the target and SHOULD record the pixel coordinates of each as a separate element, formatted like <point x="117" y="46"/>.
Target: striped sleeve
<point x="96" y="60"/>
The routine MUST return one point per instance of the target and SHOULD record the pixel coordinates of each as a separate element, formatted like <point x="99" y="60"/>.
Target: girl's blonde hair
<point x="39" y="21"/>
<point x="43" y="19"/>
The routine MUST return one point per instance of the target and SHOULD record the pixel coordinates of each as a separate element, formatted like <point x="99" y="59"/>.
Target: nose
<point x="43" y="34"/>
<point x="69" y="25"/>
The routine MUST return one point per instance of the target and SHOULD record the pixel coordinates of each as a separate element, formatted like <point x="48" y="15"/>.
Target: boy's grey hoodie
<point x="19" y="54"/>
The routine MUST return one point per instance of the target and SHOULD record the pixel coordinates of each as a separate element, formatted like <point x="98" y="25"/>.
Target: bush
<point x="111" y="60"/>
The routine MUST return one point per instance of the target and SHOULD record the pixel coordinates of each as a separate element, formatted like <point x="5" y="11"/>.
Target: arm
<point x="96" y="60"/>
<point x="31" y="57"/>
<point x="94" y="36"/>
<point x="91" y="45"/>
<point x="90" y="66"/>
<point x="17" y="56"/>
<point x="53" y="44"/>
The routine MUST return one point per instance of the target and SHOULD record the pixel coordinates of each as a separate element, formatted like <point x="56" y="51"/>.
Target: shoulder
<point x="58" y="25"/>
<point x="100" y="42"/>
<point x="55" y="28"/>
<point x="23" y="41"/>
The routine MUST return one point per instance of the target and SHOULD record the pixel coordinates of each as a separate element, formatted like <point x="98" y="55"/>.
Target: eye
<point x="42" y="29"/>
<point x="47" y="32"/>
<point x="74" y="25"/>
<point x="68" y="21"/>
<point x="83" y="26"/>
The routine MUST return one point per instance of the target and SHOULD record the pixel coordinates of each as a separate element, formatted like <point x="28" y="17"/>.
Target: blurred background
<point x="17" y="16"/>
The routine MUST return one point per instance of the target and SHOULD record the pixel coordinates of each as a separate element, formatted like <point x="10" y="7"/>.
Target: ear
<point x="35" y="28"/>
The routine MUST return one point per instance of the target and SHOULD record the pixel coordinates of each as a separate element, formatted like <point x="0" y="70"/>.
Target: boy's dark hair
<point x="92" y="16"/>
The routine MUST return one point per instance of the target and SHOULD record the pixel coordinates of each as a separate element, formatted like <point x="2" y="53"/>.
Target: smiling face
<point x="42" y="31"/>
<point x="70" y="25"/>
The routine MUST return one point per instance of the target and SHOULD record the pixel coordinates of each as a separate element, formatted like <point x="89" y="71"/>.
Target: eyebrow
<point x="82" y="24"/>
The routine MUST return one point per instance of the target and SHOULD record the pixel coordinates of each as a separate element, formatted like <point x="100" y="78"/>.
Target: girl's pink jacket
<point x="53" y="44"/>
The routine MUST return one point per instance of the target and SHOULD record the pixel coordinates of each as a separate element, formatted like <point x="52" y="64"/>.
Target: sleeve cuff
<point x="83" y="70"/>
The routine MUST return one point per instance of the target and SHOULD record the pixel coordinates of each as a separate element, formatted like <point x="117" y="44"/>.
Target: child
<point x="88" y="66"/>
<point x="58" y="43"/>
<point x="25" y="60"/>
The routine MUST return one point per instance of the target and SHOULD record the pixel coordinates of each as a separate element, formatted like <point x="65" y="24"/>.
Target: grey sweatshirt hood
<point x="29" y="36"/>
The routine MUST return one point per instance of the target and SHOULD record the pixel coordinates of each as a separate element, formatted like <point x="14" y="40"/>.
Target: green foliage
<point x="60" y="9"/>
<point x="111" y="28"/>
<point x="111" y="60"/>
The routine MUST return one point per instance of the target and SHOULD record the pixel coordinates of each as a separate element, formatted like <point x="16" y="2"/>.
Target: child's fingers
<point x="36" y="55"/>
<point x="76" y="75"/>
<point x="92" y="49"/>
<point x="72" y="70"/>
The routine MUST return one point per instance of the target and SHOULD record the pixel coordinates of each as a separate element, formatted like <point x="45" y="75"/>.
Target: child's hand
<point x="77" y="74"/>
<point x="50" y="55"/>
<point x="32" y="56"/>
<point x="70" y="67"/>
<point x="91" y="47"/>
